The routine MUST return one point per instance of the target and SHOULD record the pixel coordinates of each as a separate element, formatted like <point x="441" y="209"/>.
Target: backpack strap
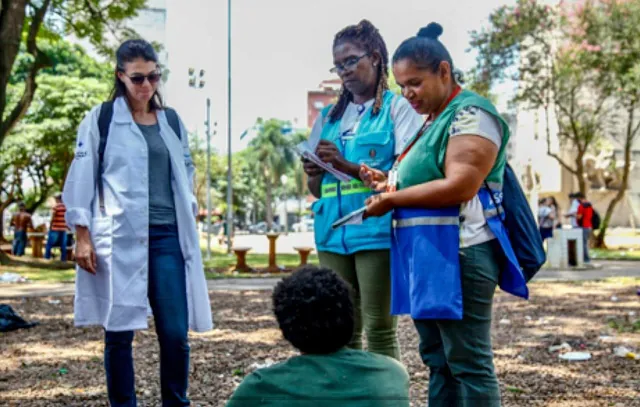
<point x="174" y="122"/>
<point x="104" y="121"/>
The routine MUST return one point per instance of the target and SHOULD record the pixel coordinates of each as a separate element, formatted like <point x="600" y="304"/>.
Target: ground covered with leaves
<point x="55" y="364"/>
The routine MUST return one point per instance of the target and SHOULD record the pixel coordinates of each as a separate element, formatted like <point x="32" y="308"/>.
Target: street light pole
<point x="229" y="187"/>
<point x="208" y="177"/>
<point x="200" y="84"/>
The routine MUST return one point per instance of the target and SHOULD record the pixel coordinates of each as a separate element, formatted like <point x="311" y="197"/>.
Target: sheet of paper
<point x="305" y="151"/>
<point x="354" y="218"/>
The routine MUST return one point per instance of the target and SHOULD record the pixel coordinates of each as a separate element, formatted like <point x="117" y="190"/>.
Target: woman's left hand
<point x="378" y="205"/>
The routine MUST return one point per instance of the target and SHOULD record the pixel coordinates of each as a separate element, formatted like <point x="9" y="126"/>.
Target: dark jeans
<point x="168" y="299"/>
<point x="586" y="236"/>
<point x="458" y="353"/>
<point x="19" y="242"/>
<point x="56" y="238"/>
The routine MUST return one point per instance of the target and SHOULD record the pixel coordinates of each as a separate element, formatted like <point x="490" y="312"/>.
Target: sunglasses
<point x="139" y="79"/>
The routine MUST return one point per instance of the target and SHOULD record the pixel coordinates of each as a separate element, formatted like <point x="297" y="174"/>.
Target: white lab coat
<point x="116" y="297"/>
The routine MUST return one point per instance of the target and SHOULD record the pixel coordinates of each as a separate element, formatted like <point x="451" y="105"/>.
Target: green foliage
<point x="66" y="60"/>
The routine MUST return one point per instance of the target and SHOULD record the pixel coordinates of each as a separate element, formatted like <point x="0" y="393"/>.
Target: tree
<point x="48" y="131"/>
<point x="611" y="29"/>
<point x="273" y="151"/>
<point x="536" y="45"/>
<point x="25" y="23"/>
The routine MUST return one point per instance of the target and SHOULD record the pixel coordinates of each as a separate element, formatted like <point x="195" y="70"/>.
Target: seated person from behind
<point x="315" y="314"/>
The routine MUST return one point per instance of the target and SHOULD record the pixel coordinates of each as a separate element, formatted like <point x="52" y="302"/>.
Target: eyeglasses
<point x="139" y="79"/>
<point x="350" y="63"/>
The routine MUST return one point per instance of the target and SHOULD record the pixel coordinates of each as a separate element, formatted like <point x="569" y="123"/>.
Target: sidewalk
<point x="608" y="269"/>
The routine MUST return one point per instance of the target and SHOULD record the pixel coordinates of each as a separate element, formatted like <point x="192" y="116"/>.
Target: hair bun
<point x="432" y="31"/>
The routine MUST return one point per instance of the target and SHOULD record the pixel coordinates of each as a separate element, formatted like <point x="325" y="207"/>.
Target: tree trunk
<point x="582" y="182"/>
<point x="12" y="20"/>
<point x="624" y="185"/>
<point x="268" y="200"/>
<point x="12" y="17"/>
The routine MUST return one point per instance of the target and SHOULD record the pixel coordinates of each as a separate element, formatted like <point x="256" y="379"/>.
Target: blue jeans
<point x="168" y="299"/>
<point x="56" y="238"/>
<point x="19" y="242"/>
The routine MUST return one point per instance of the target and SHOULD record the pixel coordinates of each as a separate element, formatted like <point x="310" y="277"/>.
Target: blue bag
<point x="425" y="264"/>
<point x="521" y="226"/>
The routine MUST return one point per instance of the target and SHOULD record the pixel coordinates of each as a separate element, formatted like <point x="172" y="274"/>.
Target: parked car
<point x="305" y="225"/>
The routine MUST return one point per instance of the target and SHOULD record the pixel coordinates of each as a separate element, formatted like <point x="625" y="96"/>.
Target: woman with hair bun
<point x="449" y="247"/>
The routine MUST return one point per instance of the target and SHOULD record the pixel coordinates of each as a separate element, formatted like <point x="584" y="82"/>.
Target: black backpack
<point x="595" y="219"/>
<point x="104" y="121"/>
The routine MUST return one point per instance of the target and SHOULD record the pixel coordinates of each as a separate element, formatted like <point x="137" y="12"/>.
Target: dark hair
<point x="314" y="310"/>
<point x="366" y="36"/>
<point x="22" y="205"/>
<point x="426" y="51"/>
<point x="129" y="51"/>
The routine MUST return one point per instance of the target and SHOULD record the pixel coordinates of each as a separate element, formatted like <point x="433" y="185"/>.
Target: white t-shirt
<point x="473" y="120"/>
<point x="406" y="121"/>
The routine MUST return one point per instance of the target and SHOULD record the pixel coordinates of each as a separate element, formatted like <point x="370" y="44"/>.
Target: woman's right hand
<point x="373" y="178"/>
<point x="85" y="253"/>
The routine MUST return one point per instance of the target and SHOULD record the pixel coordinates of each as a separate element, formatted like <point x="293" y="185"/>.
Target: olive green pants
<point x="368" y="273"/>
<point x="458" y="353"/>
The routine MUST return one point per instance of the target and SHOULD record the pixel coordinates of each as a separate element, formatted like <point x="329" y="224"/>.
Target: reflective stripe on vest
<point x="426" y="221"/>
<point x="349" y="188"/>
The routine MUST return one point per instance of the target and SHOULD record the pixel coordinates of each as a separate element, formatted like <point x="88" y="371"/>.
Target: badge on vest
<point x="372" y="153"/>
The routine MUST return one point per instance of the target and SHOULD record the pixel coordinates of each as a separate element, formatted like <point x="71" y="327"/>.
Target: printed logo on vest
<point x="372" y="153"/>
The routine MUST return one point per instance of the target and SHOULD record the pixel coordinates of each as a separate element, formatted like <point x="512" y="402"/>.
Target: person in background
<point x="556" y="208"/>
<point x="21" y="222"/>
<point x="584" y="218"/>
<point x="58" y="230"/>
<point x="367" y="125"/>
<point x="315" y="313"/>
<point x="573" y="209"/>
<point x="546" y="218"/>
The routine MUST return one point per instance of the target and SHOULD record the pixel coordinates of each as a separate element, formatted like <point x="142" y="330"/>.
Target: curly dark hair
<point x="314" y="310"/>
<point x="367" y="37"/>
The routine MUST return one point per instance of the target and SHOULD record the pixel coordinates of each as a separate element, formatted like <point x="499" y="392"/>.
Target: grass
<point x="220" y="266"/>
<point x="224" y="262"/>
<point x="615" y="254"/>
<point x="42" y="275"/>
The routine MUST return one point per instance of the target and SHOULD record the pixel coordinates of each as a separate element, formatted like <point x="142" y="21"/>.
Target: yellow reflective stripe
<point x="352" y="187"/>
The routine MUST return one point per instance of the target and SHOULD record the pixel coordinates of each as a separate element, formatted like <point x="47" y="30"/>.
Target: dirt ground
<point x="55" y="364"/>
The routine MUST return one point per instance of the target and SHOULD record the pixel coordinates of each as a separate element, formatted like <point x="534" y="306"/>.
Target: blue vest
<point x="374" y="145"/>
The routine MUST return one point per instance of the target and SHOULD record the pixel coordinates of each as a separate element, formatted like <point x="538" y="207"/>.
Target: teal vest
<point x="374" y="145"/>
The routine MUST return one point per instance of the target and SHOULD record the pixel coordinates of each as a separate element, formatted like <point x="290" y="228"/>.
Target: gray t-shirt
<point x="162" y="210"/>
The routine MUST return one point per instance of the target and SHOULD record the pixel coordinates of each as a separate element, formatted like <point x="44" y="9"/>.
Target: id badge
<point x="392" y="181"/>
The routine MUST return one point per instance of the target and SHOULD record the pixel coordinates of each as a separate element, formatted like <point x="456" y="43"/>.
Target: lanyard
<point x="423" y="129"/>
<point x="392" y="179"/>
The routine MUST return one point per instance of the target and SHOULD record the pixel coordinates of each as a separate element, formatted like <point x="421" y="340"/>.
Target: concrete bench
<point x="241" y="259"/>
<point x="304" y="254"/>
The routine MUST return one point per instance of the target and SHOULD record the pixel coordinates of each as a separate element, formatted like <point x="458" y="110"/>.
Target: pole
<point x="229" y="188"/>
<point x="208" y="178"/>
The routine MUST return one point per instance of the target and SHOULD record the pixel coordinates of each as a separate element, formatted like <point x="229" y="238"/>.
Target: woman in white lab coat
<point x="137" y="240"/>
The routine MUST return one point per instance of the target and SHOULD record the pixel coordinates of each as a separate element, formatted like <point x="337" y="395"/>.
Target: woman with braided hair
<point x="367" y="126"/>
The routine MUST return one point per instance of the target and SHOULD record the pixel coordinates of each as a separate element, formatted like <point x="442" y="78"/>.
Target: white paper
<point x="305" y="151"/>
<point x="354" y="218"/>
